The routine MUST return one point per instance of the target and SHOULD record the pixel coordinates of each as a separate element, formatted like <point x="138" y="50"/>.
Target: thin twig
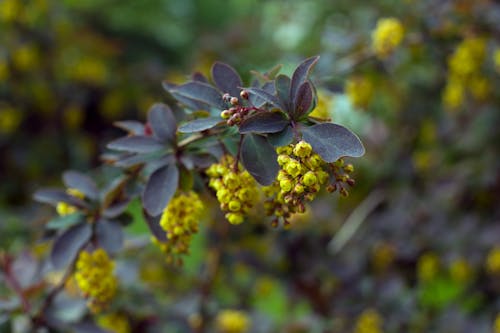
<point x="354" y="221"/>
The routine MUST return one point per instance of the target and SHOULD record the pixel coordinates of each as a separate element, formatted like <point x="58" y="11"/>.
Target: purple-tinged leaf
<point x="131" y="126"/>
<point x="197" y="76"/>
<point x="191" y="104"/>
<point x="154" y="225"/>
<point x="114" y="191"/>
<point x="55" y="196"/>
<point x="68" y="244"/>
<point x="282" y="86"/>
<point x="162" y="121"/>
<point x="282" y="138"/>
<point x="200" y="124"/>
<point x="116" y="209"/>
<point x="88" y="327"/>
<point x="303" y="100"/>
<point x="81" y="182"/>
<point x="160" y="188"/>
<point x="301" y="74"/>
<point x="200" y="92"/>
<point x="226" y="79"/>
<point x="65" y="221"/>
<point x="255" y="99"/>
<point x="136" y="144"/>
<point x="109" y="235"/>
<point x="267" y="97"/>
<point x="264" y="122"/>
<point x="332" y="141"/>
<point x="259" y="158"/>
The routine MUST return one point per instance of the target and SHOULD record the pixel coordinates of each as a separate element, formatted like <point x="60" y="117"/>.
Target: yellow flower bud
<point x="286" y="185"/>
<point x="302" y="149"/>
<point x="309" y="179"/>
<point x="234" y="206"/>
<point x="293" y="168"/>
<point x="234" y="218"/>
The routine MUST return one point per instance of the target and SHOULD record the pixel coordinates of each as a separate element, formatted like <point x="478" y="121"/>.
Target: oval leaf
<point x="154" y="225"/>
<point x="332" y="141"/>
<point x="267" y="97"/>
<point x="281" y="138"/>
<point x="54" y="196"/>
<point x="200" y="124"/>
<point x="160" y="189"/>
<point x="282" y="86"/>
<point x="259" y="158"/>
<point x="68" y="244"/>
<point x="303" y="100"/>
<point x="301" y="74"/>
<point x="81" y="182"/>
<point x="264" y="122"/>
<point x="226" y="79"/>
<point x="64" y="221"/>
<point x="136" y="144"/>
<point x="200" y="92"/>
<point x="109" y="235"/>
<point x="131" y="126"/>
<point x="162" y="121"/>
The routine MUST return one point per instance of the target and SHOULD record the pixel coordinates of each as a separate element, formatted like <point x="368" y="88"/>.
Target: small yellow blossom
<point x="468" y="57"/>
<point x="493" y="261"/>
<point x="232" y="321"/>
<point x="94" y="276"/>
<point x="10" y="119"/>
<point x="428" y="267"/>
<point x="454" y="94"/>
<point x="387" y="35"/>
<point x="369" y="321"/>
<point x="64" y="208"/>
<point x="26" y="57"/>
<point x="114" y="322"/>
<point x="460" y="270"/>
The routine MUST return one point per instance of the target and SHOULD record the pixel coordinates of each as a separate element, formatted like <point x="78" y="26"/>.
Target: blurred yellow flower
<point x="359" y="89"/>
<point x="468" y="57"/>
<point x="64" y="208"/>
<point x="388" y="34"/>
<point x="460" y="270"/>
<point x="114" y="322"/>
<point x="324" y="103"/>
<point x="25" y="57"/>
<point x="454" y="94"/>
<point x="496" y="60"/>
<point x="232" y="321"/>
<point x="10" y="10"/>
<point x="10" y="119"/>
<point x="479" y="87"/>
<point x="428" y="267"/>
<point x="496" y="324"/>
<point x="369" y="321"/>
<point x="493" y="261"/>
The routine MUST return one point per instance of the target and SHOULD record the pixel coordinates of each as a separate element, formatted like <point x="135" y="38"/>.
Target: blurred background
<point x="416" y="245"/>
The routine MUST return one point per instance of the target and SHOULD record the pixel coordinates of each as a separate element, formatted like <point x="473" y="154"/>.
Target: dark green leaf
<point x="264" y="122"/>
<point x="259" y="158"/>
<point x="332" y="141"/>
<point x="81" y="182"/>
<point x="65" y="221"/>
<point x="300" y="75"/>
<point x="160" y="188"/>
<point x="267" y="97"/>
<point x="55" y="196"/>
<point x="109" y="235"/>
<point x="200" y="92"/>
<point x="131" y="126"/>
<point x="303" y="100"/>
<point x="200" y="124"/>
<point x="136" y="144"/>
<point x="281" y="138"/>
<point x="282" y="86"/>
<point x="226" y="79"/>
<point x="67" y="245"/>
<point x="162" y="121"/>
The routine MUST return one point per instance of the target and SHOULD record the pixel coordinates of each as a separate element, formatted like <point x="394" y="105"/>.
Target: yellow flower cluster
<point x="180" y="220"/>
<point x="388" y="34"/>
<point x="369" y="321"/>
<point x="64" y="208"/>
<point x="428" y="267"/>
<point x="359" y="90"/>
<point x="299" y="180"/>
<point x="464" y="73"/>
<point x="114" y="322"/>
<point x="493" y="261"/>
<point x="94" y="276"/>
<point x="232" y="321"/>
<point x="235" y="188"/>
